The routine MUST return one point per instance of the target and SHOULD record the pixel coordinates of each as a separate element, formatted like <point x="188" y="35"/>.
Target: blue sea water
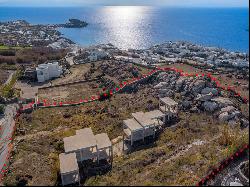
<point x="141" y="27"/>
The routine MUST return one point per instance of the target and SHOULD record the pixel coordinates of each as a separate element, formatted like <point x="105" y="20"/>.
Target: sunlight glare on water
<point x="124" y="25"/>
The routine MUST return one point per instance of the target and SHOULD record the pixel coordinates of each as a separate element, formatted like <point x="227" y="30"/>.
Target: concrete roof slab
<point x="133" y="125"/>
<point x="155" y="114"/>
<point x="103" y="141"/>
<point x="68" y="163"/>
<point x="78" y="142"/>
<point x="143" y="119"/>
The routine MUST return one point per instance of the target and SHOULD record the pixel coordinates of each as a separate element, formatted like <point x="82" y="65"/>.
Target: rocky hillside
<point x="200" y="94"/>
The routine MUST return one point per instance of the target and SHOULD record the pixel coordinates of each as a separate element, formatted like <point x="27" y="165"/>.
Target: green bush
<point x="2" y="108"/>
<point x="7" y="90"/>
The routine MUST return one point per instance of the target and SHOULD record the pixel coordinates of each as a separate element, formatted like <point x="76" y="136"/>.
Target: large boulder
<point x="194" y="109"/>
<point x="186" y="87"/>
<point x="163" y="91"/>
<point x="166" y="93"/>
<point x="208" y="90"/>
<point x="198" y="86"/>
<point x="160" y="85"/>
<point x="244" y="122"/>
<point x="179" y="84"/>
<point x="173" y="79"/>
<point x="186" y="104"/>
<point x="224" y="117"/>
<point x="223" y="102"/>
<point x="2" y="100"/>
<point x="229" y="109"/>
<point x="210" y="106"/>
<point x="163" y="76"/>
<point x="229" y="113"/>
<point x="183" y="93"/>
<point x="205" y="97"/>
<point x="235" y="114"/>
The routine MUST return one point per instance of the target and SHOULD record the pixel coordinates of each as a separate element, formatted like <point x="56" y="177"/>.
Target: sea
<point x="140" y="27"/>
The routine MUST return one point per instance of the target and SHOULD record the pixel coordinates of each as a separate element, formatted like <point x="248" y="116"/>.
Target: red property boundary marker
<point x="118" y="89"/>
<point x="135" y="80"/>
<point x="5" y="168"/>
<point x="223" y="165"/>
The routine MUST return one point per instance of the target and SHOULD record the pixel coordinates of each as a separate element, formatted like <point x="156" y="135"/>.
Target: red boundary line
<point x="217" y="170"/>
<point x="123" y="85"/>
<point x="5" y="168"/>
<point x="135" y="80"/>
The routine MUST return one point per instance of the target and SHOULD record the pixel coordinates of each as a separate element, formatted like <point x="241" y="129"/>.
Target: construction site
<point x="134" y="135"/>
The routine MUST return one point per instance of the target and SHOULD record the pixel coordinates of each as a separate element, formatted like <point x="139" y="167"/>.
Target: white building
<point x="97" y="55"/>
<point x="48" y="71"/>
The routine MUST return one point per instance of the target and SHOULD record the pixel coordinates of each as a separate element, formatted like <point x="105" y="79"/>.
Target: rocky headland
<point x="21" y="33"/>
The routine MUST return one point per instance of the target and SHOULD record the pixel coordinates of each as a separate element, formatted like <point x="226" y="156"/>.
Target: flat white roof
<point x="87" y="135"/>
<point x="154" y="114"/>
<point x="68" y="163"/>
<point x="168" y="101"/>
<point x="103" y="141"/>
<point x="86" y="132"/>
<point x="143" y="119"/>
<point x="78" y="142"/>
<point x="132" y="124"/>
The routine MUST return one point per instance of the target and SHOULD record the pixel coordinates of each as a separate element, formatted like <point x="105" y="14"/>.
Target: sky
<point x="177" y="3"/>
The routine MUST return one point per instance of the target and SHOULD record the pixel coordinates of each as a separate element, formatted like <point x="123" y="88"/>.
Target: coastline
<point x="21" y="33"/>
<point x="231" y="35"/>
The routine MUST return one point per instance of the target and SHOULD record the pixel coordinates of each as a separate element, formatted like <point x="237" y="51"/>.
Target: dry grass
<point x="161" y="164"/>
<point x="3" y="76"/>
<point x="70" y="92"/>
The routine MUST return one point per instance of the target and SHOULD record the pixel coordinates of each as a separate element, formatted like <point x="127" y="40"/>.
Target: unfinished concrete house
<point x="88" y="146"/>
<point x="169" y="107"/>
<point x="83" y="144"/>
<point x="157" y="116"/>
<point x="90" y="150"/>
<point x="149" y="125"/>
<point x="69" y="169"/>
<point x="144" y="125"/>
<point x="133" y="131"/>
<point x="104" y="147"/>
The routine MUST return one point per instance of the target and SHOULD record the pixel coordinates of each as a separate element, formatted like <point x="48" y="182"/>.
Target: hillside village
<point x="21" y="33"/>
<point x="171" y="52"/>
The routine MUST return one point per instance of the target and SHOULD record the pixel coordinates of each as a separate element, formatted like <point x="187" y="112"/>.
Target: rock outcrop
<point x="210" y="106"/>
<point x="198" y="94"/>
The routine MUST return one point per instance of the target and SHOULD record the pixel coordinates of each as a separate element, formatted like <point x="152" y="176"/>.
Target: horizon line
<point x="82" y="6"/>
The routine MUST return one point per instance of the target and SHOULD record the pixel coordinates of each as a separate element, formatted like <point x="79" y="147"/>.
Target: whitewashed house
<point x="48" y="71"/>
<point x="97" y="55"/>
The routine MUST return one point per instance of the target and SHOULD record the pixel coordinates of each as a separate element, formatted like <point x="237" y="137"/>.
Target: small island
<point x="75" y="23"/>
